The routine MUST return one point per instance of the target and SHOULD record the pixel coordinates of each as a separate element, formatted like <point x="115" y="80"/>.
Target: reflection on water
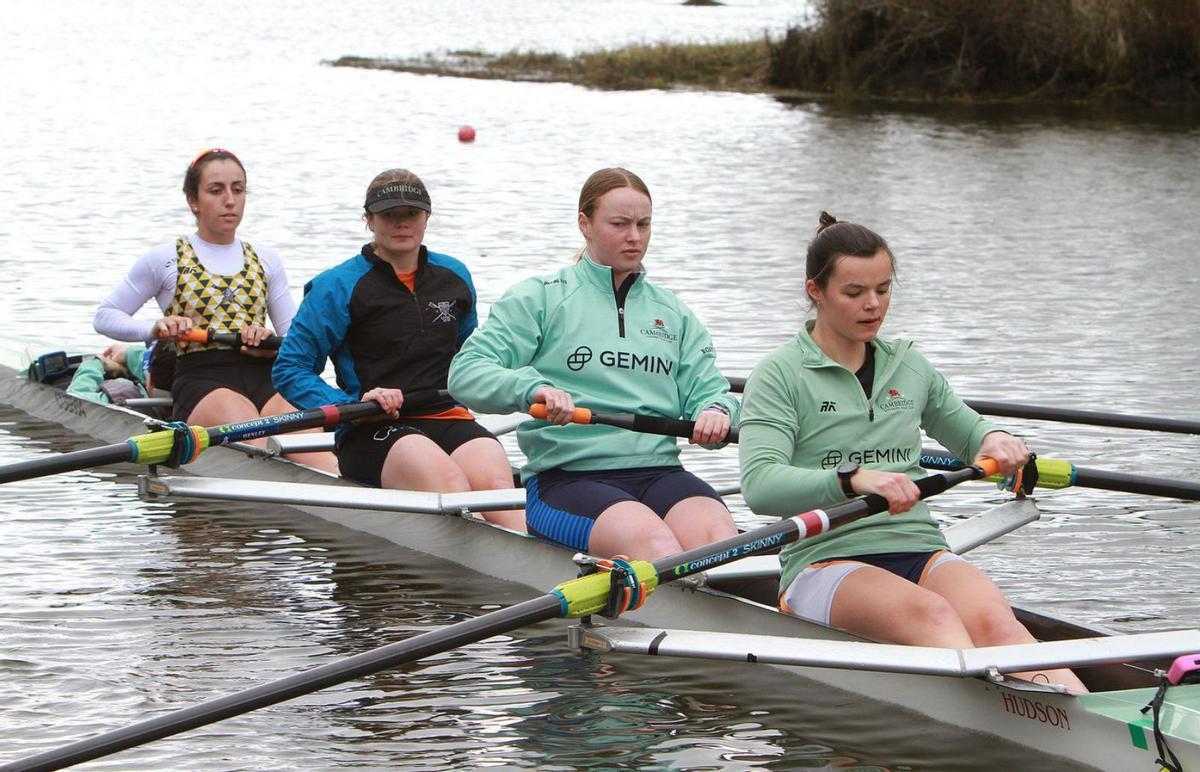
<point x="1045" y="256"/>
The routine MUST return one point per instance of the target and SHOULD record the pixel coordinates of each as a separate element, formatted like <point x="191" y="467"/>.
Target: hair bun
<point x="825" y="220"/>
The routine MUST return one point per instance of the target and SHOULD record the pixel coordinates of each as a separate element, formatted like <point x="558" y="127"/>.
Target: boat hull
<point x="1030" y="715"/>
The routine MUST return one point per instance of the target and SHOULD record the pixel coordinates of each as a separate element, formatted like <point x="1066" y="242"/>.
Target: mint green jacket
<point x="90" y="375"/>
<point x="567" y="330"/>
<point x="803" y="414"/>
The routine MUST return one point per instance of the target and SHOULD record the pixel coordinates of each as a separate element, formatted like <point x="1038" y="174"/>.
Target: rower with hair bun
<point x="837" y="412"/>
<point x="211" y="280"/>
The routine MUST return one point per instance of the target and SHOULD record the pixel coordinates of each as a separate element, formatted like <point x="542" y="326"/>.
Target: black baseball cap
<point x="410" y="193"/>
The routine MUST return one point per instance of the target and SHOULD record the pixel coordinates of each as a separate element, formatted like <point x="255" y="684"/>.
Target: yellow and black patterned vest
<point x="214" y="301"/>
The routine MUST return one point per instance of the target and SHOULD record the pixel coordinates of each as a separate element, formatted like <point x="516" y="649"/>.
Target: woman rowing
<point x="598" y="333"/>
<point x="391" y="318"/>
<point x="837" y="393"/>
<point x="211" y="280"/>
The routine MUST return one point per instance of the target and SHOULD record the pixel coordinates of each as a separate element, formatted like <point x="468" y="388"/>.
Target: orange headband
<point x="205" y="152"/>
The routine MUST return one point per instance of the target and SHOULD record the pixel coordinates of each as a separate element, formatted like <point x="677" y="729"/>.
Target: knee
<point x="662" y="542"/>
<point x="929" y="611"/>
<point x="996" y="626"/>
<point x="454" y="480"/>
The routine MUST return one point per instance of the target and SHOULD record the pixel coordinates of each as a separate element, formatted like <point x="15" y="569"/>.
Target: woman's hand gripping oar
<point x="266" y="342"/>
<point x="671" y="427"/>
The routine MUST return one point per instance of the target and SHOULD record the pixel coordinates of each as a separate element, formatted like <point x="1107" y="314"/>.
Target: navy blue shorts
<point x="906" y="565"/>
<point x="563" y="506"/>
<point x="364" y="447"/>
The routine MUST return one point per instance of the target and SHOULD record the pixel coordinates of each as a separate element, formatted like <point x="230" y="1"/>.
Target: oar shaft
<point x="66" y="462"/>
<point x="737" y="385"/>
<point x="1051" y="475"/>
<point x="530" y="612"/>
<point x="290" y="422"/>
<point x="1091" y="417"/>
<point x="1136" y="483"/>
<point x="804" y="526"/>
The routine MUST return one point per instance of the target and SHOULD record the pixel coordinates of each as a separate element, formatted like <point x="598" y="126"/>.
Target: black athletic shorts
<point x="563" y="506"/>
<point x="362" y="449"/>
<point x="200" y="373"/>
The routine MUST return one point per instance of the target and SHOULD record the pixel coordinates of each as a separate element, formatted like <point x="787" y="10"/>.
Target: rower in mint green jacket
<point x="837" y="413"/>
<point x="809" y="419"/>
<point x="598" y="334"/>
<point x="117" y="374"/>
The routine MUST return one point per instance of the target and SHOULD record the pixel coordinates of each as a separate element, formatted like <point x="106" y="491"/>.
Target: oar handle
<point x="199" y="335"/>
<point x="647" y="424"/>
<point x="581" y="415"/>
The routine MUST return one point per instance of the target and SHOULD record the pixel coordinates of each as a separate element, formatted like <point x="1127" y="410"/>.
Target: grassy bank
<point x="736" y="66"/>
<point x="1122" y="50"/>
<point x="1138" y="51"/>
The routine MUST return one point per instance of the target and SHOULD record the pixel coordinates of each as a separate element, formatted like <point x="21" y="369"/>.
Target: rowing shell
<point x="1104" y="729"/>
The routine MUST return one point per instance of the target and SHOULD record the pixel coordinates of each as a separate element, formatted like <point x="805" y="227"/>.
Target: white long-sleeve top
<point x="154" y="276"/>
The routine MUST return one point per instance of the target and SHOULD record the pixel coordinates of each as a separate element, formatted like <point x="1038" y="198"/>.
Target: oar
<point x="634" y="422"/>
<point x="575" y="598"/>
<point x="1055" y="473"/>
<point x="1091" y="417"/>
<point x="158" y="447"/>
<point x="1065" y="415"/>
<point x="234" y="339"/>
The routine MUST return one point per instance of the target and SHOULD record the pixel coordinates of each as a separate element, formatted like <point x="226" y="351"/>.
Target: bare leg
<point x="416" y="463"/>
<point x="632" y="529"/>
<point x="485" y="464"/>
<point x="224" y="406"/>
<point x="323" y="460"/>
<point x="987" y="616"/>
<point x="880" y="605"/>
<point x="699" y="520"/>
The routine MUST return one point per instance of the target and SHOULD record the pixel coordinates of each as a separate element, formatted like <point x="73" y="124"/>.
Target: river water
<point x="1045" y="256"/>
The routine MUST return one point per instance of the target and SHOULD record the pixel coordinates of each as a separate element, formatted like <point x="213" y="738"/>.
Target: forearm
<point x="772" y="486"/>
<point x="481" y="383"/>
<point x="112" y="322"/>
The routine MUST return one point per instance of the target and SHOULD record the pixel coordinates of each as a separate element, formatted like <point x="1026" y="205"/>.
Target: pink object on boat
<point x="1185" y="670"/>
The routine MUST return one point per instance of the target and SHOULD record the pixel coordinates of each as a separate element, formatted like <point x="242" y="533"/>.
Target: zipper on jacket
<point x="622" y="292"/>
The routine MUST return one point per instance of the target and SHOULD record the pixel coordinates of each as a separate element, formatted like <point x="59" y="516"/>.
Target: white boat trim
<point x="323" y="441"/>
<point x="889" y="658"/>
<point x="350" y="498"/>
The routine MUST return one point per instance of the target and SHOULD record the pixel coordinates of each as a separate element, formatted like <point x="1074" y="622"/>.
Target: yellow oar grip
<point x="1052" y="473"/>
<point x="589" y="594"/>
<point x="155" y="447"/>
<point x="1055" y="473"/>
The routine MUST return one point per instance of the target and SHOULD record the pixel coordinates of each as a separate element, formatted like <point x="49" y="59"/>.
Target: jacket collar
<point x="888" y="353"/>
<point x="368" y="251"/>
<point x="602" y="275"/>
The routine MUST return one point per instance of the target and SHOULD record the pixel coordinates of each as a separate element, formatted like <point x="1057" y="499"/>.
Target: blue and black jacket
<point x="377" y="332"/>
